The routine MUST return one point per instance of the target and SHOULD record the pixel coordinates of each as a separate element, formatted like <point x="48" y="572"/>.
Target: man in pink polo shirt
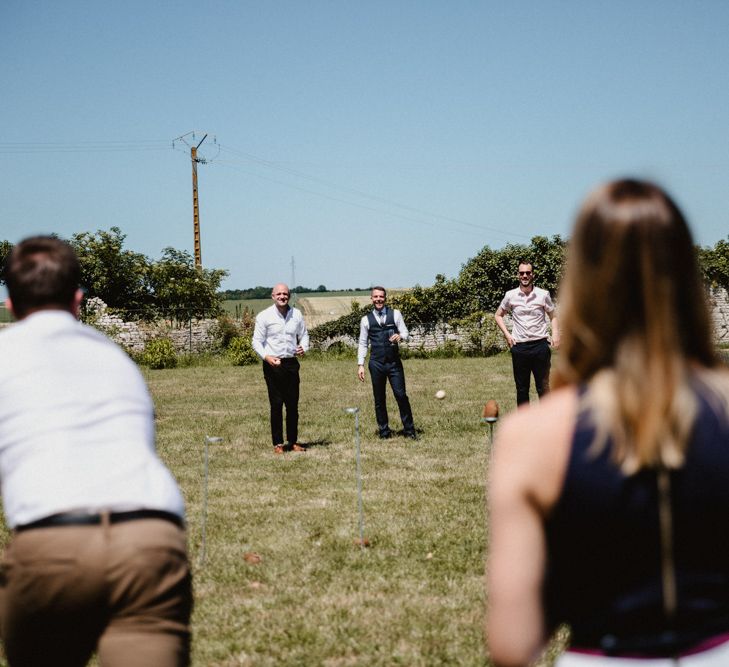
<point x="530" y="308"/>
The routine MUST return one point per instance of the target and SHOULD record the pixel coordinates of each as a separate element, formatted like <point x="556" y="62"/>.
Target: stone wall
<point x="192" y="336"/>
<point x="429" y="337"/>
<point x="719" y="304"/>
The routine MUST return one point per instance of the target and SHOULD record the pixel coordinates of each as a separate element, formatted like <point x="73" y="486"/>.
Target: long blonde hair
<point x="635" y="323"/>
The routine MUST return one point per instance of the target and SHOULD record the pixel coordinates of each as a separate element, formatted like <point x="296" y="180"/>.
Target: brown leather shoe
<point x="298" y="448"/>
<point x="278" y="449"/>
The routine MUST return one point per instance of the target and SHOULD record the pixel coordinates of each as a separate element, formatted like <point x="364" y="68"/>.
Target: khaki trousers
<point x="123" y="590"/>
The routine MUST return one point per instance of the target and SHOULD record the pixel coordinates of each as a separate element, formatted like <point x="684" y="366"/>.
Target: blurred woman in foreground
<point x="609" y="500"/>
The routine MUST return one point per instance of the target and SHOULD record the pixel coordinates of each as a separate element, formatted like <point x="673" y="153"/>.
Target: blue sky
<point x="373" y="142"/>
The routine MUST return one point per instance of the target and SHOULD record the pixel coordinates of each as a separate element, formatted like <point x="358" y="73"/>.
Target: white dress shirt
<point x="364" y="330"/>
<point x="278" y="335"/>
<point x="76" y="424"/>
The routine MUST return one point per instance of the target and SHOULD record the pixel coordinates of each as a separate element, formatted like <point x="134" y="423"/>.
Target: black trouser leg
<point x="533" y="357"/>
<point x="397" y="382"/>
<point x="283" y="389"/>
<point x="522" y="372"/>
<point x="378" y="375"/>
<point x="291" y="399"/>
<point x="275" y="400"/>
<point x="541" y="366"/>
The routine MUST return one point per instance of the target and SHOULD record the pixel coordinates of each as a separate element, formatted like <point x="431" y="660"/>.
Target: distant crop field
<point x="352" y="293"/>
<point x="317" y="307"/>
<point x="318" y="310"/>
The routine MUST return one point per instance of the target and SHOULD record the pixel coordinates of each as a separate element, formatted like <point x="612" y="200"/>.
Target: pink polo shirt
<point x="528" y="312"/>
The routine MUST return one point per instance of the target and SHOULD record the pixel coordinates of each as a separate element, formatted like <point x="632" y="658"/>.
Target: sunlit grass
<point x="415" y="596"/>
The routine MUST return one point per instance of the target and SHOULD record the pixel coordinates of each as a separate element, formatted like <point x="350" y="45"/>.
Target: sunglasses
<point x="525" y="273"/>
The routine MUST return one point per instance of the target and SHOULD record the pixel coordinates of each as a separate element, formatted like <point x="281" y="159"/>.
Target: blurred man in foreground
<point x="98" y="558"/>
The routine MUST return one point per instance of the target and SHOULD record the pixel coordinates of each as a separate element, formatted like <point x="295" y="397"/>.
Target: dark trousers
<point x="527" y="359"/>
<point x="381" y="372"/>
<point x="283" y="389"/>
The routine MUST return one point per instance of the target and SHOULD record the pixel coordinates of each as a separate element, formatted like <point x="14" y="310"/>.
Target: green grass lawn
<point x="415" y="597"/>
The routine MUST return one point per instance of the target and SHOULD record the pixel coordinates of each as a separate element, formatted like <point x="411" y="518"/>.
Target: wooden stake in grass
<point x="362" y="541"/>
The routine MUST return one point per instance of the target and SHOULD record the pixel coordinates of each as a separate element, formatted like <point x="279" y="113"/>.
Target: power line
<point x="295" y="172"/>
<point x="30" y="148"/>
<point x="473" y="228"/>
<point x="146" y="145"/>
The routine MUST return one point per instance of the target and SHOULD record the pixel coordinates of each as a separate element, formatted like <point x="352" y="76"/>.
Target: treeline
<point x="140" y="288"/>
<point x="137" y="287"/>
<point x="261" y="292"/>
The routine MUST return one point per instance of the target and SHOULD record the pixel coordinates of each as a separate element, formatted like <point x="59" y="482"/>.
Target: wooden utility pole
<point x="195" y="204"/>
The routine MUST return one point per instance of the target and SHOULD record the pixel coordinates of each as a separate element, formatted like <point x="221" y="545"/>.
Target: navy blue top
<point x="604" y="567"/>
<point x="379" y="334"/>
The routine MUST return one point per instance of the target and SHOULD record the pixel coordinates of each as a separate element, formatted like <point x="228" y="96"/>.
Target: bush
<point x="159" y="353"/>
<point x="240" y="352"/>
<point x="224" y="331"/>
<point x="484" y="335"/>
<point x="337" y="350"/>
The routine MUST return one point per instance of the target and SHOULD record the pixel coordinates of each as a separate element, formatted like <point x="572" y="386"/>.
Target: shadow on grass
<point x="316" y="443"/>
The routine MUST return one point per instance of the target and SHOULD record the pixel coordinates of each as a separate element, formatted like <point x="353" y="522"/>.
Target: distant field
<point x="256" y="305"/>
<point x="317" y="307"/>
<point x="326" y="308"/>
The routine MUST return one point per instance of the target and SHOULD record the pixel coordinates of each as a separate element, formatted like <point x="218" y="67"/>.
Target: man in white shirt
<point x="98" y="557"/>
<point x="531" y="309"/>
<point x="279" y="337"/>
<point x="382" y="329"/>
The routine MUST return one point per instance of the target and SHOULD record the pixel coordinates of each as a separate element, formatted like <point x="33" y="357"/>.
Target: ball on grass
<point x="440" y="394"/>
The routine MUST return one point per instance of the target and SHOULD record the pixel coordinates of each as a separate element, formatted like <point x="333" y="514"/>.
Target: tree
<point x="5" y="248"/>
<point x="180" y="290"/>
<point x="486" y="277"/>
<point x="714" y="264"/>
<point x="119" y="277"/>
<point x="442" y="302"/>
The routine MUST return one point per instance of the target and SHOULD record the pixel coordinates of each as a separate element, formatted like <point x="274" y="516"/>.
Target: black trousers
<point x="527" y="359"/>
<point x="381" y="372"/>
<point x="283" y="389"/>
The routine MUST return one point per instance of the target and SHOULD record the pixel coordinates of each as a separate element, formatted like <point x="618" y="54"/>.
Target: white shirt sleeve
<point x="259" y="338"/>
<point x="364" y="330"/>
<point x="400" y="324"/>
<point x="303" y="334"/>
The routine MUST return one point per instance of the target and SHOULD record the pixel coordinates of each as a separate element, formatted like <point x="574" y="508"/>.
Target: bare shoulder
<point x="533" y="445"/>
<point x="547" y="415"/>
